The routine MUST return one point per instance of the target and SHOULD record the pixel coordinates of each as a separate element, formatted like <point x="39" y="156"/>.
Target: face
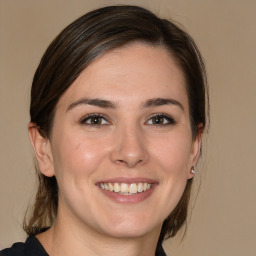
<point x="121" y="145"/>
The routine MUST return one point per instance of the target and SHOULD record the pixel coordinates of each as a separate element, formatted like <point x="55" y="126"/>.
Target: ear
<point x="42" y="149"/>
<point x="195" y="150"/>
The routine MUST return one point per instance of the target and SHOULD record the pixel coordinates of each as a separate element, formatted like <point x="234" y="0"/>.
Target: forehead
<point x="132" y="74"/>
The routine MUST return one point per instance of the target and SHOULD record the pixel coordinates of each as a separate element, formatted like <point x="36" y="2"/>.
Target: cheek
<point x="173" y="154"/>
<point x="77" y="156"/>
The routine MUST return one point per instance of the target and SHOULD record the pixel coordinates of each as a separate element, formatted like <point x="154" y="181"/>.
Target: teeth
<point x="133" y="188"/>
<point x="140" y="187"/>
<point x="126" y="189"/>
<point x="117" y="187"/>
<point x="110" y="187"/>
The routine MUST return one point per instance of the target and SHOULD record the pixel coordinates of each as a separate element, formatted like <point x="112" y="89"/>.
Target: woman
<point x="117" y="115"/>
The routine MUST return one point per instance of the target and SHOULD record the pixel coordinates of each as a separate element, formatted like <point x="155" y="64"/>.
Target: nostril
<point x="129" y="162"/>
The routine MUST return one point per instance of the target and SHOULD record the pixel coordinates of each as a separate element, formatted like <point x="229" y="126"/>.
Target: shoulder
<point x="16" y="249"/>
<point x="31" y="247"/>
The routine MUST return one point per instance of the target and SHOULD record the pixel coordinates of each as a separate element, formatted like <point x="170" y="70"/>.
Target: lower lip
<point x="129" y="199"/>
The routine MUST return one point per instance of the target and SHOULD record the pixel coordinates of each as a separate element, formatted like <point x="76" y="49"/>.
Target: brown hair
<point x="74" y="49"/>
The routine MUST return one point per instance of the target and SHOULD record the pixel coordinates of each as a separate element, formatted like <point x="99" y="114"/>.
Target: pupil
<point x="158" y="120"/>
<point x="96" y="120"/>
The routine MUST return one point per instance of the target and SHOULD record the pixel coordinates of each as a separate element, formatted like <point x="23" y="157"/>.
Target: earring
<point x="193" y="171"/>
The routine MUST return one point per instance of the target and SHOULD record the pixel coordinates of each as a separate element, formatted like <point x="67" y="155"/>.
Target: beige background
<point x="223" y="222"/>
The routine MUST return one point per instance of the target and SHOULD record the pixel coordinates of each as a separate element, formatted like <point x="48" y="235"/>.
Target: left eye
<point x="160" y="120"/>
<point x="94" y="120"/>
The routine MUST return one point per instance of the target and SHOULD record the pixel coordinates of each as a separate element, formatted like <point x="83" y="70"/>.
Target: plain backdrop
<point x="223" y="220"/>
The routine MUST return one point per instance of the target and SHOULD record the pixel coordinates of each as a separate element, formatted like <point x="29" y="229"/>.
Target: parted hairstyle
<point x="73" y="50"/>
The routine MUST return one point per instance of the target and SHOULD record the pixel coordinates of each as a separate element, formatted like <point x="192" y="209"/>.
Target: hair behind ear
<point x="44" y="210"/>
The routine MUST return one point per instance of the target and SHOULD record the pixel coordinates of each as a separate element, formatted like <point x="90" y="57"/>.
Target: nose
<point x="130" y="147"/>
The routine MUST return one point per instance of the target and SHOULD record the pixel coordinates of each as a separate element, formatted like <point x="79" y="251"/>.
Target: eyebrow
<point x="155" y="102"/>
<point x="93" y="102"/>
<point x="161" y="101"/>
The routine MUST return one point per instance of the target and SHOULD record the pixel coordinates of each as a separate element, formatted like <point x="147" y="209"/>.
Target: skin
<point x="126" y="144"/>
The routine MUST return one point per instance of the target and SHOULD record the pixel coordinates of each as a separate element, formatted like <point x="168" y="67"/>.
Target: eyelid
<point x="86" y="117"/>
<point x="170" y="119"/>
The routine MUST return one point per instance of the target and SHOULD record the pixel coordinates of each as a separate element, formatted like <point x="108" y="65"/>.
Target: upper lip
<point x="128" y="180"/>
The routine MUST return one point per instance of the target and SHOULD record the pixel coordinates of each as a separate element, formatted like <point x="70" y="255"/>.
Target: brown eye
<point x="94" y="120"/>
<point x="160" y="119"/>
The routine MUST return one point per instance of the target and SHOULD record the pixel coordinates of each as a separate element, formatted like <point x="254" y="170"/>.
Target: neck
<point x="65" y="238"/>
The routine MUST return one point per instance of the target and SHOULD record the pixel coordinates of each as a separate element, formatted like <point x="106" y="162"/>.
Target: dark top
<point x="32" y="247"/>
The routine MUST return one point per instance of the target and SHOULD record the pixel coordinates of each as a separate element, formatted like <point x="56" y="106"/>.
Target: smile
<point x="125" y="188"/>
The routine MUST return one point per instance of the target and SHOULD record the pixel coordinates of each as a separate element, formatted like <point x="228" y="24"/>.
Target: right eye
<point x="160" y="120"/>
<point x="94" y="120"/>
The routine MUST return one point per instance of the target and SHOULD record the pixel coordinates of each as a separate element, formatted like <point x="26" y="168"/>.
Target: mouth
<point x="126" y="188"/>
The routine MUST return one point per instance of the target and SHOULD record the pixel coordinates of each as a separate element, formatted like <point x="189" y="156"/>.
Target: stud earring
<point x="193" y="171"/>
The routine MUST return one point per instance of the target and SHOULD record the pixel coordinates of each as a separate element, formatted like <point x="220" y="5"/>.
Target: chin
<point x="129" y="232"/>
<point x="132" y="228"/>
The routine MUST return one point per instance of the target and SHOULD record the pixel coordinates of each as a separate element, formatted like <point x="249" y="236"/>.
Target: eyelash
<point x="91" y="116"/>
<point x="168" y="120"/>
